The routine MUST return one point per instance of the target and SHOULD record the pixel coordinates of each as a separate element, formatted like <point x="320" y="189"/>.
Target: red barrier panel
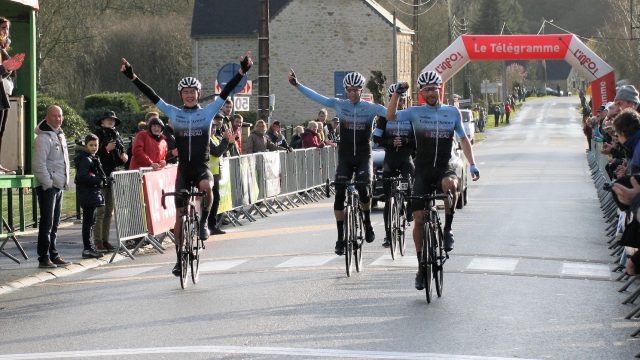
<point x="160" y="220"/>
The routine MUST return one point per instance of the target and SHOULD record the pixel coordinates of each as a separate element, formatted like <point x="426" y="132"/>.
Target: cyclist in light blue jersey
<point x="434" y="126"/>
<point x="192" y="129"/>
<point x="354" y="150"/>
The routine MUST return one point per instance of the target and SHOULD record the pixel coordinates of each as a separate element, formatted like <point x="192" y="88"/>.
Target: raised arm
<point x="392" y="108"/>
<point x="314" y="96"/>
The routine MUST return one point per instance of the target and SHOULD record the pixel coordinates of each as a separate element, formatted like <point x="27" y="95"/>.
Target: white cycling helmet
<point x="189" y="82"/>
<point x="353" y="79"/>
<point x="429" y="78"/>
<point x="392" y="89"/>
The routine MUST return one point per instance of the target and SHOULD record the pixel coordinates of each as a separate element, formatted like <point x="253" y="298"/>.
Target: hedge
<point x="115" y="101"/>
<point x="73" y="124"/>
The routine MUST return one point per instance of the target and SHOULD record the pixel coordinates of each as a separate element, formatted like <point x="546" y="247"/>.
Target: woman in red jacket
<point x="150" y="147"/>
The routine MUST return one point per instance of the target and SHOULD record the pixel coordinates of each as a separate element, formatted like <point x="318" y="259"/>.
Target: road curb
<point x="58" y="272"/>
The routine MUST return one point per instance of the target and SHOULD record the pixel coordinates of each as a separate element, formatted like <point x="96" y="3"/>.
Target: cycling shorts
<point x="188" y="176"/>
<point x="425" y="180"/>
<point x="363" y="167"/>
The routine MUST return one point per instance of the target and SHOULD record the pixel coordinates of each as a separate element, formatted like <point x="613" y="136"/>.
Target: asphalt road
<point x="529" y="278"/>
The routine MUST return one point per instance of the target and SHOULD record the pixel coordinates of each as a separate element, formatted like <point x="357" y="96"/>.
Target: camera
<point x="107" y="181"/>
<point x="624" y="181"/>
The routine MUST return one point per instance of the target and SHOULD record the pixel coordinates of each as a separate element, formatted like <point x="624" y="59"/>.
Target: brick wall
<point x="315" y="38"/>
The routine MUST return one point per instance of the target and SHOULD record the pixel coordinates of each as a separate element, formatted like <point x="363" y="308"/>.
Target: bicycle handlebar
<point x="182" y="193"/>
<point x="342" y="182"/>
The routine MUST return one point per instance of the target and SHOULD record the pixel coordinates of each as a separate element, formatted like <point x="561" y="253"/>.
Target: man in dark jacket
<point x="112" y="155"/>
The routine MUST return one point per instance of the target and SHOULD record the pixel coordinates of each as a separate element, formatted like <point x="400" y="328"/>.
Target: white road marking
<point x="123" y="273"/>
<point x="304" y="261"/>
<point x="586" y="269"/>
<point x="244" y="350"/>
<point x="409" y="260"/>
<point x="493" y="264"/>
<point x="221" y="265"/>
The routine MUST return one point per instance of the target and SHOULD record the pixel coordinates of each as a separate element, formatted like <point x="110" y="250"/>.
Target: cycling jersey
<point x="387" y="131"/>
<point x="192" y="129"/>
<point x="356" y="121"/>
<point x="433" y="129"/>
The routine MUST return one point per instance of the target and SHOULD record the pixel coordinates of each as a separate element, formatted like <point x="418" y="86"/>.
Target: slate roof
<point x="240" y="17"/>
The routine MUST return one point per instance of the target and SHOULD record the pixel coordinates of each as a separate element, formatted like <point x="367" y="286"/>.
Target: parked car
<point x="468" y="123"/>
<point x="458" y="160"/>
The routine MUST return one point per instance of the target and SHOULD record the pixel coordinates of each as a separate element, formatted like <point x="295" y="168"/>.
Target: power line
<point x="418" y="14"/>
<point x="415" y="5"/>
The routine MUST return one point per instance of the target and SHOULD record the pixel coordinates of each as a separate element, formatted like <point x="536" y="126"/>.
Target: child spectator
<point x="150" y="147"/>
<point x="89" y="179"/>
<point x="112" y="155"/>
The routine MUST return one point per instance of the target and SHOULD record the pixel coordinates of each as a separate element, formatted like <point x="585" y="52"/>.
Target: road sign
<point x="246" y="90"/>
<point x="490" y="88"/>
<point x="241" y="103"/>
<point x="227" y="72"/>
<point x="366" y="97"/>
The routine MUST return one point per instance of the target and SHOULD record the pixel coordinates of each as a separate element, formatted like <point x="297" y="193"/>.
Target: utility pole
<point x="414" y="52"/>
<point x="263" y="64"/>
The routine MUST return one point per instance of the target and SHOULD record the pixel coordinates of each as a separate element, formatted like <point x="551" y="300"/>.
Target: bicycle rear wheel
<point x="392" y="223"/>
<point x="438" y="264"/>
<point x="358" y="239"/>
<point x="426" y="261"/>
<point x="185" y="234"/>
<point x="194" y="257"/>
<point x="348" y="244"/>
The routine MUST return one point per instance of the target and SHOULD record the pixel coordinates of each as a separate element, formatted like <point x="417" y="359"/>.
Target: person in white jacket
<point x="50" y="167"/>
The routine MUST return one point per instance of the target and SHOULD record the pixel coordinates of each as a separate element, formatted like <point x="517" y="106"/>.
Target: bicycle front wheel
<point x="348" y="244"/>
<point x="438" y="264"/>
<point x="392" y="223"/>
<point x="195" y="252"/>
<point x="185" y="234"/>
<point x="358" y="239"/>
<point x="426" y="261"/>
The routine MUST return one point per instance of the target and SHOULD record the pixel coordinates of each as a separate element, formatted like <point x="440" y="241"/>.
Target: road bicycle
<point x="192" y="245"/>
<point x="353" y="224"/>
<point x="432" y="256"/>
<point x="397" y="214"/>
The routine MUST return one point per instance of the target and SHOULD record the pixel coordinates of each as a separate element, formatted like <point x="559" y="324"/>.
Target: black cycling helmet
<point x="189" y="82"/>
<point x="429" y="78"/>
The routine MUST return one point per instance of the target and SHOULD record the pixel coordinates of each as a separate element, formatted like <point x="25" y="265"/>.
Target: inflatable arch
<point x="529" y="47"/>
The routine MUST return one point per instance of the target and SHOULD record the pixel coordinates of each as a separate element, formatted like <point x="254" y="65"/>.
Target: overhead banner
<point x="528" y="47"/>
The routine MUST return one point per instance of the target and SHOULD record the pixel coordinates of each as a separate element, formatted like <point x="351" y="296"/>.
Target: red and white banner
<point x="160" y="220"/>
<point x="529" y="47"/>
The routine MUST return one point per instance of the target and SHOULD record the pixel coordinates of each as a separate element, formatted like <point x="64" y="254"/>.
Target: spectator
<point x="112" y="156"/>
<point x="276" y="137"/>
<point x="332" y="130"/>
<point x="89" y="179"/>
<point x="258" y="141"/>
<point x="150" y="147"/>
<point x="482" y="118"/>
<point x="496" y="115"/>
<point x="627" y="97"/>
<point x="236" y="129"/>
<point x="217" y="147"/>
<point x="627" y="126"/>
<point x="630" y="196"/>
<point x="507" y="112"/>
<point x="50" y="166"/>
<point x="586" y="125"/>
<point x="321" y="119"/>
<point x="218" y="127"/>
<point x="227" y="115"/>
<point x="310" y="137"/>
<point x="142" y="126"/>
<point x="296" y="139"/>
<point x="7" y="74"/>
<point x="501" y="108"/>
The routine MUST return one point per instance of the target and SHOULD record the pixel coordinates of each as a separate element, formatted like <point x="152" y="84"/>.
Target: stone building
<point x="320" y="40"/>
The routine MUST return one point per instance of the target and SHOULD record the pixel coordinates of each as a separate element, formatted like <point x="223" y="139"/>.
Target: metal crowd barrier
<point x="615" y="220"/>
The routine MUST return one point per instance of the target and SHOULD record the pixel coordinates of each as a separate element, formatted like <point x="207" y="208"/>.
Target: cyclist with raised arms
<point x="434" y="126"/>
<point x="354" y="150"/>
<point x="191" y="125"/>
<point x="396" y="137"/>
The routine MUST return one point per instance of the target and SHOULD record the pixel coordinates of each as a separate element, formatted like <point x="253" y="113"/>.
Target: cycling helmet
<point x="353" y="79"/>
<point x="429" y="78"/>
<point x="189" y="82"/>
<point x="392" y="89"/>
